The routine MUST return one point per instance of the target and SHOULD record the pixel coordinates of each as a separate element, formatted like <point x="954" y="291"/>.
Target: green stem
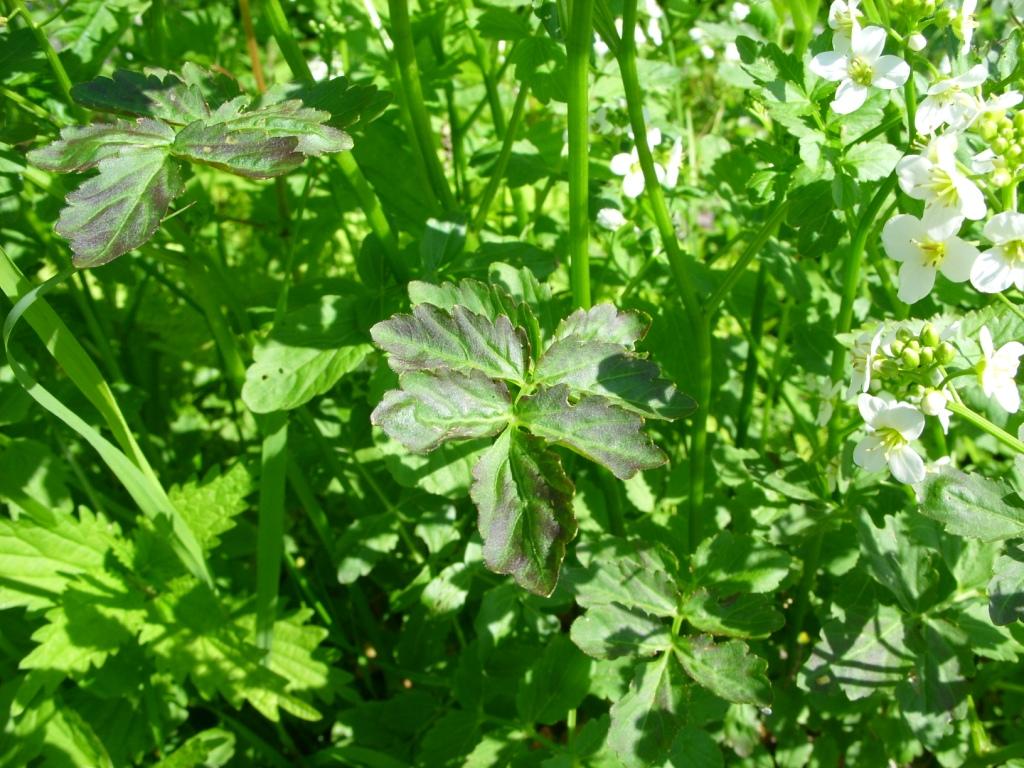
<point x="409" y="72"/>
<point x="985" y="425"/>
<point x="750" y="370"/>
<point x="578" y="46"/>
<point x="501" y="164"/>
<point x="270" y="529"/>
<point x="700" y="329"/>
<point x="61" y="74"/>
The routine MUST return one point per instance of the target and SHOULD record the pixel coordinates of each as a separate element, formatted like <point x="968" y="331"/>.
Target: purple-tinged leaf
<point x="166" y="98"/>
<point x="246" y="153"/>
<point x="80" y="148"/>
<point x="605" y="323"/>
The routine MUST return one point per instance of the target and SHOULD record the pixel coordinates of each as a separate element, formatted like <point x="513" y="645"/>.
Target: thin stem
<point x="578" y="46"/>
<point x="985" y="425"/>
<point x="699" y="327"/>
<point x="252" y="46"/>
<point x="61" y="74"/>
<point x="501" y="164"/>
<point x="409" y="72"/>
<point x="750" y="370"/>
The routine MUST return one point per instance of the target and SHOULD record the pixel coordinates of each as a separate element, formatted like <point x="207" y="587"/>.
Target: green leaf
<point x="210" y="506"/>
<point x="729" y="563"/>
<point x="431" y="338"/>
<point x="695" y="749"/>
<point x="308" y="351"/>
<point x="865" y="654"/>
<point x="646" y="721"/>
<point x="969" y="504"/>
<point x="739" y="615"/>
<point x="481" y="298"/>
<point x="524" y="501"/>
<point x="211" y="748"/>
<point x="121" y="208"/>
<point x="728" y="670"/>
<point x="625" y="573"/>
<point x="610" y="631"/>
<point x="871" y="161"/>
<point x="593" y="427"/>
<point x="347" y="103"/>
<point x="434" y="407"/>
<point x="1006" y="589"/>
<point x="261" y="143"/>
<point x="600" y="368"/>
<point x="166" y="98"/>
<point x="80" y="148"/>
<point x="365" y="542"/>
<point x="557" y="682"/>
<point x="606" y="324"/>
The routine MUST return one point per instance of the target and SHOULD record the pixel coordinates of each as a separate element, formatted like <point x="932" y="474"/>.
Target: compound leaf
<point x="166" y="98"/>
<point x="646" y="721"/>
<point x="604" y="323"/>
<point x="524" y="501"/>
<point x="121" y="208"/>
<point x="80" y="148"/>
<point x="610" y="631"/>
<point x="740" y="615"/>
<point x="593" y="427"/>
<point x="432" y="407"/>
<point x="624" y="573"/>
<point x="431" y="338"/>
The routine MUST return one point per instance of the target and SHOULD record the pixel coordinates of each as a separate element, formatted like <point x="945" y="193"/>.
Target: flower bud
<point x="1001" y="177"/>
<point x="1018" y="121"/>
<point x="910" y="358"/>
<point x="933" y="402"/>
<point x="917" y="42"/>
<point x="927" y="356"/>
<point x="946" y="353"/>
<point x="904" y="334"/>
<point x="897" y="348"/>
<point x="1000" y="145"/>
<point x="929" y="336"/>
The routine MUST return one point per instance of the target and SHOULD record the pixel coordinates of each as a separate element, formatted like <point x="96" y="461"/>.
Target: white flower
<point x="611" y="219"/>
<point x="826" y="392"/>
<point x="1002" y="265"/>
<point x="997" y="103"/>
<point x="934" y="402"/>
<point x="891" y="427"/>
<point x="732" y="53"/>
<point x="917" y="42"/>
<point x="946" y="102"/>
<point x="653" y="25"/>
<point x="964" y="24"/>
<point x="862" y="358"/>
<point x="842" y="18"/>
<point x="935" y="178"/>
<point x="739" y="11"/>
<point x="926" y="246"/>
<point x="675" y="162"/>
<point x="627" y="165"/>
<point x="997" y="371"/>
<point x="861" y="67"/>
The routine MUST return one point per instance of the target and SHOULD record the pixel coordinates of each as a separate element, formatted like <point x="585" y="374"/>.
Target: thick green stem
<point x="500" y="165"/>
<point x="423" y="134"/>
<point x="579" y="44"/>
<point x="701" y="338"/>
<point x="985" y="425"/>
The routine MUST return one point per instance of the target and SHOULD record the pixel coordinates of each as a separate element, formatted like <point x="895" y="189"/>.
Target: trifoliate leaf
<point x="1006" y="589"/>
<point x="604" y="323"/>
<point x="308" y="351"/>
<point x="166" y="98"/>
<point x="610" y="631"/>
<point x="525" y="505"/>
<point x="593" y="427"/>
<point x="968" y="504"/>
<point x="432" y="407"/>
<point x="557" y="682"/>
<point x="121" y="208"/>
<point x="431" y="338"/>
<point x="600" y="368"/>
<point x="83" y="147"/>
<point x="646" y="721"/>
<point x="728" y="670"/>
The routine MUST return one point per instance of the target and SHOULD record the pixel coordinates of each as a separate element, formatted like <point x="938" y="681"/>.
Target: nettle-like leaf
<point x="198" y="118"/>
<point x="474" y="362"/>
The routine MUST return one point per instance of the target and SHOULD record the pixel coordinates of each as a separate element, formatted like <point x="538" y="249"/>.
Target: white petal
<point x="830" y="65"/>
<point x="870" y="406"/>
<point x="906" y="465"/>
<point x="868" y="42"/>
<point x="1008" y="355"/>
<point x="869" y="454"/>
<point x="930" y="115"/>
<point x="849" y="97"/>
<point x="1004" y="227"/>
<point x="940" y="224"/>
<point x="985" y="339"/>
<point x="622" y="163"/>
<point x="973" y="77"/>
<point x="898" y="234"/>
<point x="916" y="281"/>
<point x="902" y="417"/>
<point x="972" y="201"/>
<point x="1008" y="396"/>
<point x="960" y="257"/>
<point x="633" y="184"/>
<point x="914" y="171"/>
<point x="890" y="72"/>
<point x="991" y="273"/>
<point x="653" y="137"/>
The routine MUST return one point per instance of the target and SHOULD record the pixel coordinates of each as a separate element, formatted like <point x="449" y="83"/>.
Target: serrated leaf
<point x="600" y="368"/>
<point x="611" y="631"/>
<point x="873" y="160"/>
<point x="165" y="98"/>
<point x="729" y="563"/>
<point x="121" y="208"/>
<point x="434" y="407"/>
<point x="308" y="351"/>
<point x="1006" y="589"/>
<point x="524" y="501"/>
<point x="865" y="654"/>
<point x="431" y="338"/>
<point x="646" y="721"/>
<point x="211" y="748"/>
<point x="346" y="102"/>
<point x="555" y="683"/>
<point x="594" y="427"/>
<point x="740" y="615"/>
<point x="969" y="504"/>
<point x="282" y="120"/>
<point x="80" y="148"/>
<point x="728" y="670"/>
<point x="210" y="506"/>
<point x="476" y="296"/>
<point x="625" y="573"/>
<point x="604" y="323"/>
